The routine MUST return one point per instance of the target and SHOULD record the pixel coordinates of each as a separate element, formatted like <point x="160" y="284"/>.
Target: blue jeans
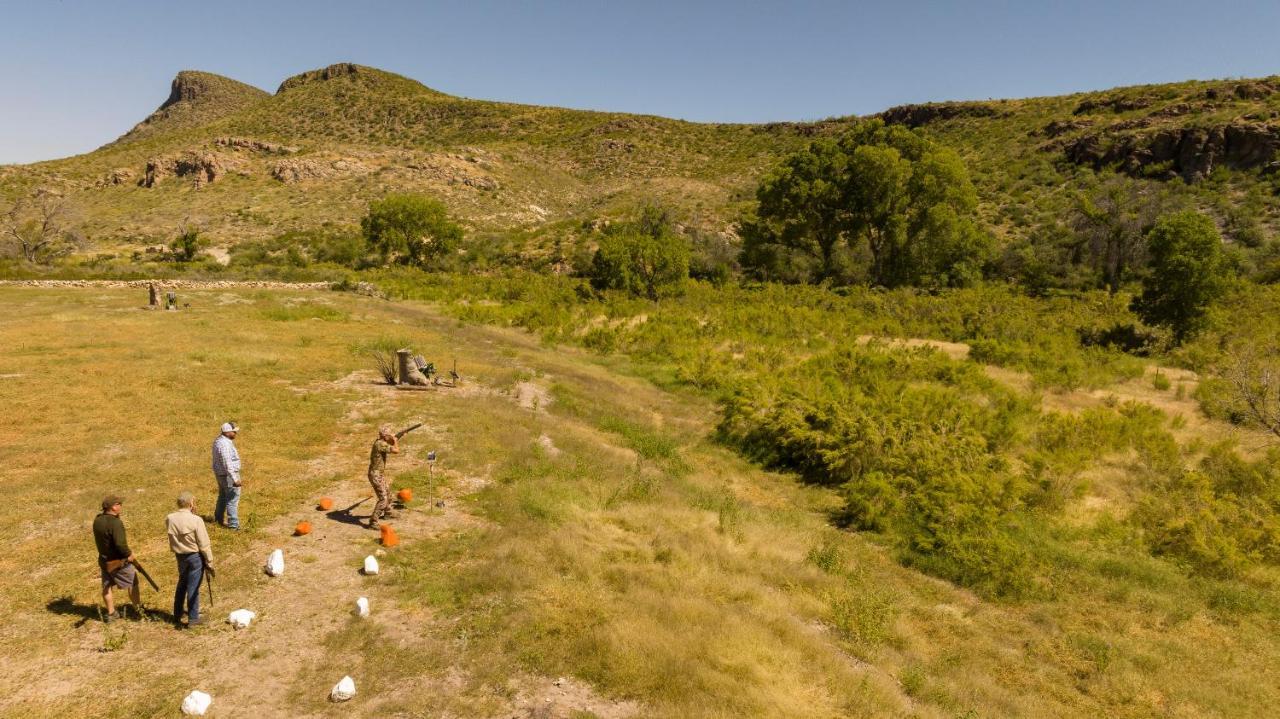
<point x="186" y="600"/>
<point x="228" y="503"/>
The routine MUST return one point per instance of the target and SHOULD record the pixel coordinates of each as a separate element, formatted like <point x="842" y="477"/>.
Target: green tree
<point x="881" y="203"/>
<point x="187" y="245"/>
<point x="410" y="229"/>
<point x="1186" y="273"/>
<point x="645" y="258"/>
<point x="1111" y="223"/>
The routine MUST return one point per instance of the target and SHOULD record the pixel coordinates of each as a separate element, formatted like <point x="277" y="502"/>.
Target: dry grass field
<point x="580" y="549"/>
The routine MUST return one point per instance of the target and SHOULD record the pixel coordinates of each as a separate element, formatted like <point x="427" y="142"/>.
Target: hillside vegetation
<point x="243" y="164"/>
<point x="969" y="409"/>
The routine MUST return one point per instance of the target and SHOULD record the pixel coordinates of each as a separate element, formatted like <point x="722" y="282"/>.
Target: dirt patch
<point x="256" y="670"/>
<point x="220" y="255"/>
<point x="569" y="698"/>
<point x="954" y="350"/>
<point x="530" y="395"/>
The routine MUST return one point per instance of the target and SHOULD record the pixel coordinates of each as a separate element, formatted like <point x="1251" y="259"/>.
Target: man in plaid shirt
<point x="226" y="468"/>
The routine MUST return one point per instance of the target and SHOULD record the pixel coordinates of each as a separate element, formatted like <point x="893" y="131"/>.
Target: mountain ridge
<point x="536" y="174"/>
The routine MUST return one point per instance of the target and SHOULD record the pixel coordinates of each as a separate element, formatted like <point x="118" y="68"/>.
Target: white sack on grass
<point x="370" y="565"/>
<point x="196" y="703"/>
<point x="362" y="606"/>
<point x="343" y="690"/>
<point x="275" y="563"/>
<point x="241" y="618"/>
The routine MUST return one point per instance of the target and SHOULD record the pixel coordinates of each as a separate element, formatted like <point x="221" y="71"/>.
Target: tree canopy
<point x="1187" y="273"/>
<point x="645" y="258"/>
<point x="410" y="229"/>
<point x="881" y="204"/>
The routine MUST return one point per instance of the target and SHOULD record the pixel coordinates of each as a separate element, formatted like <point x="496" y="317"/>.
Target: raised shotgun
<point x="407" y="430"/>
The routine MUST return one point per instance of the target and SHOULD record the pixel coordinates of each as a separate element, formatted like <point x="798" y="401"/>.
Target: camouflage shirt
<point x="378" y="455"/>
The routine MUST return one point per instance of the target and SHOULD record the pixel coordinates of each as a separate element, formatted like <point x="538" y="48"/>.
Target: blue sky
<point x="77" y="74"/>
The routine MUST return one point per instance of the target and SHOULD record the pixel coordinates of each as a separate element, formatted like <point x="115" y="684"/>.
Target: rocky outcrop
<point x="454" y="169"/>
<point x="187" y="86"/>
<point x="196" y="98"/>
<point x="918" y="115"/>
<point x="1188" y="152"/>
<point x="244" y="143"/>
<point x="1120" y="103"/>
<point x="341" y="69"/>
<point x="1252" y="90"/>
<point x="1056" y="128"/>
<point x="201" y="168"/>
<point x="302" y="169"/>
<point x="118" y="176"/>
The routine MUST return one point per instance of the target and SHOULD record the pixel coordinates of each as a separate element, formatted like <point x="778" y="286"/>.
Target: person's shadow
<point x="345" y="516"/>
<point x="94" y="612"/>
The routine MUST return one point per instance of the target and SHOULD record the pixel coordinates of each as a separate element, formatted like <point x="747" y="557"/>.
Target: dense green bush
<point x="644" y="258"/>
<point x="1220" y="519"/>
<point x="326" y="245"/>
<point x="917" y="444"/>
<point x="187" y="245"/>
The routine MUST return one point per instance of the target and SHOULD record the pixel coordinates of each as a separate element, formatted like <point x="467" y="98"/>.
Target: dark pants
<point x="190" y="573"/>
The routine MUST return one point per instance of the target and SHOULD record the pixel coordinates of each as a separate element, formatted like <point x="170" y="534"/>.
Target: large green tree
<point x="645" y="258"/>
<point x="410" y="229"/>
<point x="1111" y="221"/>
<point x="1186" y="273"/>
<point x="881" y="204"/>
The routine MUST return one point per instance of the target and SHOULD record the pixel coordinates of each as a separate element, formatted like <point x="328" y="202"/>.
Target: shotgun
<point x="407" y="430"/>
<point x="138" y="566"/>
<point x="208" y="579"/>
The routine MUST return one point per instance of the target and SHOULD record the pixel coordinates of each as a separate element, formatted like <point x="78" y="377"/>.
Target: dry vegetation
<point x="594" y="534"/>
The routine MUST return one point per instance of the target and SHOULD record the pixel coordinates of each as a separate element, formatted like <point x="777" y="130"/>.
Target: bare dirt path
<point x="270" y="668"/>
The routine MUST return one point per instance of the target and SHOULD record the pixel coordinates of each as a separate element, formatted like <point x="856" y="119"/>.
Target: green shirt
<point x="378" y="455"/>
<point x="108" y="534"/>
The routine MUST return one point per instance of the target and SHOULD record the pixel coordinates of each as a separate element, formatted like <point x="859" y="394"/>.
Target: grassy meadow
<point x="600" y="524"/>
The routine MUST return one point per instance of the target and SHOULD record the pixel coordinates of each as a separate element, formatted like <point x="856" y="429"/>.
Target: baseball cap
<point x="230" y="427"/>
<point x="110" y="501"/>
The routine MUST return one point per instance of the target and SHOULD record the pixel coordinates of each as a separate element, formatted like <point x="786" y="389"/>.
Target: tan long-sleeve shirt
<point x="187" y="534"/>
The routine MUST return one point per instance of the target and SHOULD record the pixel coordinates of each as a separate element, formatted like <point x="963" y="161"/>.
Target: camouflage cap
<point x="111" y="500"/>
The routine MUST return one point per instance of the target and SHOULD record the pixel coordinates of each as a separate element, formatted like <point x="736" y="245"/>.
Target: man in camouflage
<point x="385" y="444"/>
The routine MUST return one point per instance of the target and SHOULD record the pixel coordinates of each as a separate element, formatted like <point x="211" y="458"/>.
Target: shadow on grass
<point x="68" y="606"/>
<point x="345" y="516"/>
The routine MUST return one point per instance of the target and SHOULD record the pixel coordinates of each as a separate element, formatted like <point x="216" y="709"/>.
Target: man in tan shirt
<point x="189" y="541"/>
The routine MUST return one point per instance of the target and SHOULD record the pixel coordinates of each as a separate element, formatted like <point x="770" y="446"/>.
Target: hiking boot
<point x="198" y="621"/>
<point x="109" y="618"/>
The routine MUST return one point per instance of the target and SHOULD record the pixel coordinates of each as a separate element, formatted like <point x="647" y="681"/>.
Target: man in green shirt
<point x="115" y="559"/>
<point x="385" y="444"/>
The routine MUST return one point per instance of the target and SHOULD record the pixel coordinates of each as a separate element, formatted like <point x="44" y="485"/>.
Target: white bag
<point x="362" y="606"/>
<point x="370" y="565"/>
<point x="241" y="618"/>
<point x="197" y="703"/>
<point x="275" y="563"/>
<point x="343" y="690"/>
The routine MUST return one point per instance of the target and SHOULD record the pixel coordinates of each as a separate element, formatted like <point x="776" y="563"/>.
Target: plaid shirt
<point x="226" y="460"/>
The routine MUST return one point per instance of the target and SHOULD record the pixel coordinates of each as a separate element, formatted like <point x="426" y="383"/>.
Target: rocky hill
<point x="243" y="164"/>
